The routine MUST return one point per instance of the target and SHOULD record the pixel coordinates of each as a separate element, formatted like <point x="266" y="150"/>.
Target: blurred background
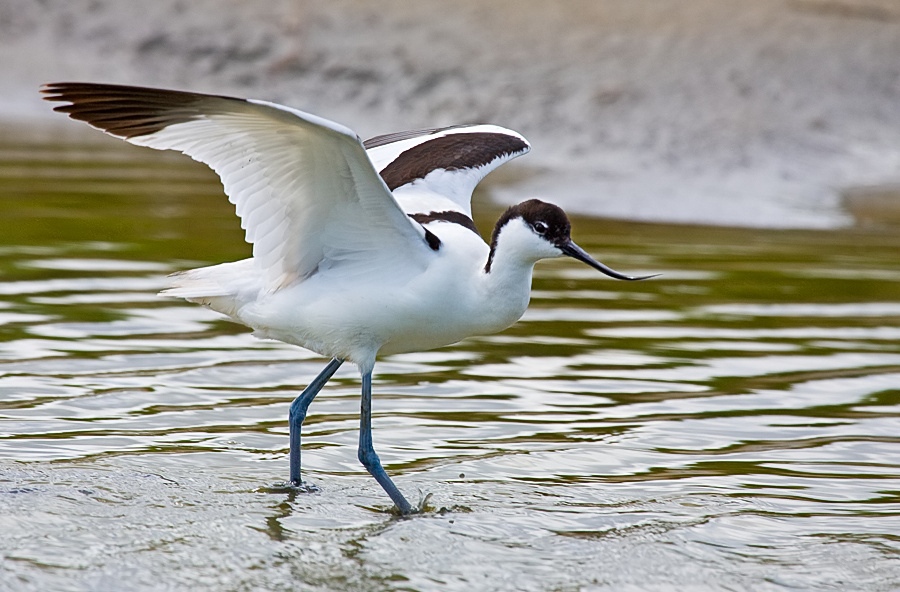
<point x="771" y="113"/>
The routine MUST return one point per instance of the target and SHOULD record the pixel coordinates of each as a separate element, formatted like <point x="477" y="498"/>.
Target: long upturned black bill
<point x="573" y="250"/>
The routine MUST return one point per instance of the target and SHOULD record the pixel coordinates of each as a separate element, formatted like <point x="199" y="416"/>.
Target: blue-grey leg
<point x="298" y="413"/>
<point x="367" y="454"/>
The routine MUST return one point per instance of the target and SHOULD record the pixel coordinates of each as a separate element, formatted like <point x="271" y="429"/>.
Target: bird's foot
<point x="292" y="487"/>
<point x="414" y="509"/>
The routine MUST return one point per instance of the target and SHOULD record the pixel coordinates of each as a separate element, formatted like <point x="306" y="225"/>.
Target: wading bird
<point x="359" y="248"/>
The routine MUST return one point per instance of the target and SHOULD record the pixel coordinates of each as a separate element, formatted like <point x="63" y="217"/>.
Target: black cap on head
<point x="550" y="222"/>
<point x="545" y="219"/>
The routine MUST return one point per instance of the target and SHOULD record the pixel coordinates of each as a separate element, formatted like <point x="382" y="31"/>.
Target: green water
<point x="731" y="425"/>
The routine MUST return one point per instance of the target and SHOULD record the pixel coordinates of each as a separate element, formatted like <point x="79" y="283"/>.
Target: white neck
<point x="507" y="284"/>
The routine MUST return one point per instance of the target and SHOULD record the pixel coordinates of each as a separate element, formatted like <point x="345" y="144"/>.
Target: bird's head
<point x="537" y="230"/>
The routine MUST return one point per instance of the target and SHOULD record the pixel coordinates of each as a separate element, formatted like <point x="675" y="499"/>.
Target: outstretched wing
<point x="303" y="186"/>
<point x="436" y="170"/>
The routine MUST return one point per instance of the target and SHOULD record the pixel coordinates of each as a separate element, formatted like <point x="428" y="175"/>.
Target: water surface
<point x="731" y="425"/>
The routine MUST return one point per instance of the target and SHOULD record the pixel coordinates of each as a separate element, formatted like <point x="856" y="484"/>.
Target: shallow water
<point x="731" y="425"/>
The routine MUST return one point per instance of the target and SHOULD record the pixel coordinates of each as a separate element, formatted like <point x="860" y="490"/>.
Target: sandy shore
<point x="760" y="113"/>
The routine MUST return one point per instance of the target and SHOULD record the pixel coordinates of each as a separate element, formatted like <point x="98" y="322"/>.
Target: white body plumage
<point x="356" y="312"/>
<point x="359" y="248"/>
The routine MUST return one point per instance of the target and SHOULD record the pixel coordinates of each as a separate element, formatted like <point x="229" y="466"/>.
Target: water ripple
<point x="719" y="427"/>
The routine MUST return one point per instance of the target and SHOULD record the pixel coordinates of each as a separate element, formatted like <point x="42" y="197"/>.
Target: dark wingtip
<point x="126" y="111"/>
<point x="53" y="91"/>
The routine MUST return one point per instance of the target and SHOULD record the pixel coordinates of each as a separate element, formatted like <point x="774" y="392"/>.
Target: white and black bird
<point x="359" y="248"/>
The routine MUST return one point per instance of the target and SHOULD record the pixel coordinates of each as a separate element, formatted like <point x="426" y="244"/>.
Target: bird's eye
<point x="541" y="227"/>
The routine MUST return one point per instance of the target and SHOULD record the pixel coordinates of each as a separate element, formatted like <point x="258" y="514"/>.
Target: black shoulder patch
<point x="433" y="241"/>
<point x="452" y="152"/>
<point x="448" y="216"/>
